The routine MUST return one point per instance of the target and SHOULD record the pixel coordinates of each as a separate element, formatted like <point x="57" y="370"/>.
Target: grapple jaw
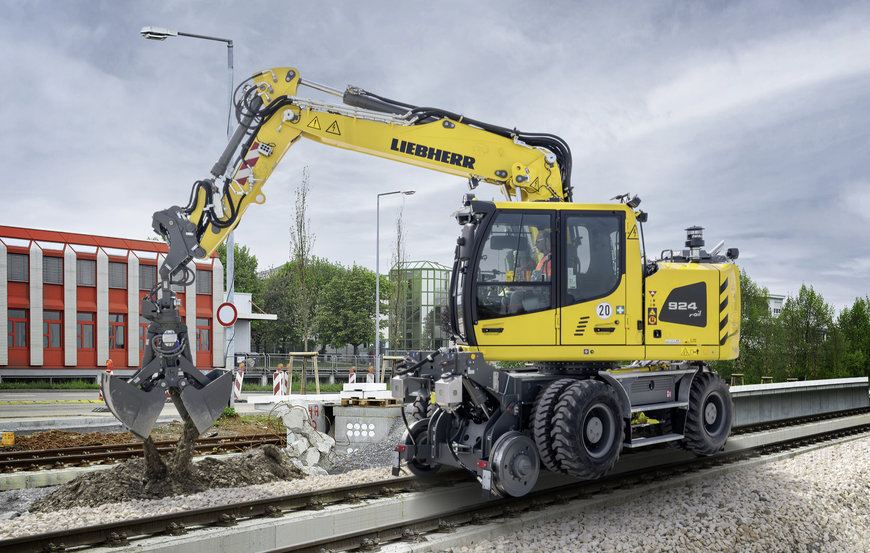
<point x="206" y="404"/>
<point x="167" y="368"/>
<point x="138" y="409"/>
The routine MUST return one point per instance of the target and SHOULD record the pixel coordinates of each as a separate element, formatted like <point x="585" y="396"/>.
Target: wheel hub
<point x="711" y="413"/>
<point x="515" y="464"/>
<point x="594" y="429"/>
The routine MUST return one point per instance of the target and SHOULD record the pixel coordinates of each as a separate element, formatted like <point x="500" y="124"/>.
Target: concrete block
<point x="310" y="457"/>
<point x="298" y="448"/>
<point x="296" y="419"/>
<point x="356" y="426"/>
<point x="326" y="445"/>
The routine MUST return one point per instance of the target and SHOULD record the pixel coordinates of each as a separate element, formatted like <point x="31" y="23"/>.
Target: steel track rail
<point x="119" y="533"/>
<point x="85" y="455"/>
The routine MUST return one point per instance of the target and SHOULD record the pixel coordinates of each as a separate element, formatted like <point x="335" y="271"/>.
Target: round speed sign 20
<point x="227" y="314"/>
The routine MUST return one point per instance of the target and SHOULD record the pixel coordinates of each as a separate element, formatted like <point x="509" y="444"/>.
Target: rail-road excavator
<point x="563" y="290"/>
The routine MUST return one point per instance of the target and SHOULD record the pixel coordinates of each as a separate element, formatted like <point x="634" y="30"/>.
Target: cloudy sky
<point x="751" y="118"/>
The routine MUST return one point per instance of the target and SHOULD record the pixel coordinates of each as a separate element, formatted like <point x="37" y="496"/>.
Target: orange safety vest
<point x="544" y="265"/>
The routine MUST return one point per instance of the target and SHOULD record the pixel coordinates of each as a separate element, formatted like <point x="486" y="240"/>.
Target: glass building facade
<point x="419" y="297"/>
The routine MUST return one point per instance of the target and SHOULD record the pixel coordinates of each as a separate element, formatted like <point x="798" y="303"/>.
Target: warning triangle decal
<point x="315" y="124"/>
<point x="333" y="129"/>
<point x="632" y="234"/>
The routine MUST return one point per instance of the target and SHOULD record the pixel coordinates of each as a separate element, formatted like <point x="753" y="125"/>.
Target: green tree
<point x="398" y="294"/>
<point x="244" y="270"/>
<point x="301" y="246"/>
<point x="347" y="309"/>
<point x="806" y="321"/>
<point x="279" y="297"/>
<point x="854" y="328"/>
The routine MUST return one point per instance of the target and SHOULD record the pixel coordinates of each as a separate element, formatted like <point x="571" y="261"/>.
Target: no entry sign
<point x="227" y="314"/>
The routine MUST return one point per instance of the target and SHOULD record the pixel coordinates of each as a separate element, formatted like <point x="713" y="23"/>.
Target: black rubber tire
<point x="708" y="421"/>
<point x="423" y="408"/>
<point x="419" y="437"/>
<point x="542" y="420"/>
<point x="584" y="406"/>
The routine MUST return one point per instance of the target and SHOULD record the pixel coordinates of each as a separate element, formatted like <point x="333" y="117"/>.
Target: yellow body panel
<point x="531" y="329"/>
<point x="693" y="311"/>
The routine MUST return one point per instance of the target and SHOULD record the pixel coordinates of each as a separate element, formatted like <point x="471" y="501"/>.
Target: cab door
<point x="514" y="295"/>
<point x="592" y="271"/>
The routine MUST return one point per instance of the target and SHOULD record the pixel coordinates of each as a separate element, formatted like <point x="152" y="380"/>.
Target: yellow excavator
<point x="565" y="287"/>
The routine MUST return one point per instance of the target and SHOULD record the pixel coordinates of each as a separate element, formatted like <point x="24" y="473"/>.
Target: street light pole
<point x="159" y="33"/>
<point x="378" y="275"/>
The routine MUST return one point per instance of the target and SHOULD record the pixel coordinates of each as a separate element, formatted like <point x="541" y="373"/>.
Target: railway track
<point x="37" y="459"/>
<point x="393" y="510"/>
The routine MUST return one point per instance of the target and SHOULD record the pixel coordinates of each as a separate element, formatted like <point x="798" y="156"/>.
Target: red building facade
<point x="69" y="302"/>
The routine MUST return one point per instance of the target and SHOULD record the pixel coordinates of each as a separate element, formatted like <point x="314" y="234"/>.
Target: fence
<point x="332" y="367"/>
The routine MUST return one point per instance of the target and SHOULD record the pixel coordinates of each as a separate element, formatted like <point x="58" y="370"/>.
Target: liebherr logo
<point x="435" y="154"/>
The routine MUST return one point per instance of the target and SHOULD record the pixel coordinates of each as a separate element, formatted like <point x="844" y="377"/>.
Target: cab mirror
<point x="466" y="241"/>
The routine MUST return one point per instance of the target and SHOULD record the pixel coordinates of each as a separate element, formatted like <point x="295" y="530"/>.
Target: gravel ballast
<point x="37" y="523"/>
<point x="815" y="502"/>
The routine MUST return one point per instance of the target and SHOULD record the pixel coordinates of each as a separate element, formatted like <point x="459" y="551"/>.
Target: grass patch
<point x="247" y="424"/>
<point x="325" y="387"/>
<point x="47" y="385"/>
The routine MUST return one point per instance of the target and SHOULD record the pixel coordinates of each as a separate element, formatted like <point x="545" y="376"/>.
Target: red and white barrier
<point x="110" y="366"/>
<point x="279" y="383"/>
<point x="237" y="387"/>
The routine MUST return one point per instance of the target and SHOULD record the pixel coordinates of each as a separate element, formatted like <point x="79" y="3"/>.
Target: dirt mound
<point x="128" y="481"/>
<point x="54" y="439"/>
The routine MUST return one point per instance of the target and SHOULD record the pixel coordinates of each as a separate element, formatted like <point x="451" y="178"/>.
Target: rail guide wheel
<point x="515" y="464"/>
<point x="418" y="436"/>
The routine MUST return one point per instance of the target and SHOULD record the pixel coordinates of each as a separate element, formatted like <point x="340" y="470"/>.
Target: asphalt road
<point x="46" y="404"/>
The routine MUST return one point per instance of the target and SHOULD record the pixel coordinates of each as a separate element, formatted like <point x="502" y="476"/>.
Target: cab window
<point x="593" y="256"/>
<point x="514" y="271"/>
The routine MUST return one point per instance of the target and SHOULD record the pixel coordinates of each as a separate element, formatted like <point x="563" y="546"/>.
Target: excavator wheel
<point x="542" y="420"/>
<point x="708" y="421"/>
<point x="587" y="429"/>
<point x="423" y="408"/>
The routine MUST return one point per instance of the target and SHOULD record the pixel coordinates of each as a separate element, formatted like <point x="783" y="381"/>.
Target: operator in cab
<point x="543" y="245"/>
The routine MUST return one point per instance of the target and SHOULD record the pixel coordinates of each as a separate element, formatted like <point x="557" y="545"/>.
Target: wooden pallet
<point x="369" y="402"/>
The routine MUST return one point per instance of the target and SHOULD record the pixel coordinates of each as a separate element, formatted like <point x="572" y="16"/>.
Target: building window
<point x="52" y="325"/>
<point x="203" y="282"/>
<point x="203" y="334"/>
<point x="117" y="331"/>
<point x="117" y="275"/>
<point x="147" y="277"/>
<point x="18" y="268"/>
<point x="52" y="270"/>
<point x="85" y="330"/>
<point x="17" y="328"/>
<point x="86" y="272"/>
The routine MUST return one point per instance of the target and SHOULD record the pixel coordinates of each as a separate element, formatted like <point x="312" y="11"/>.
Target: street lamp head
<point x="157" y="33"/>
<point x="408" y="192"/>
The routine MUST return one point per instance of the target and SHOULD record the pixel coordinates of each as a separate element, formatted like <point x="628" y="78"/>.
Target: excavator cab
<point x="547" y="281"/>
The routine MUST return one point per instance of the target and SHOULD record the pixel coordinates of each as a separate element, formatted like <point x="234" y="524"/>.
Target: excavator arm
<point x="271" y="118"/>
